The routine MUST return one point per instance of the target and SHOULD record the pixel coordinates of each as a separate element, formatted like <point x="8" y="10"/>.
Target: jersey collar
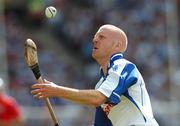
<point x="113" y="58"/>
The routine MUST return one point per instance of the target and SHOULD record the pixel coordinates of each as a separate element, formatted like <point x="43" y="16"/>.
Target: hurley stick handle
<point x="49" y="106"/>
<point x="31" y="59"/>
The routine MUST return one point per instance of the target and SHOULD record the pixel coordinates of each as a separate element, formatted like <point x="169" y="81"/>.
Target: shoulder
<point x="121" y="65"/>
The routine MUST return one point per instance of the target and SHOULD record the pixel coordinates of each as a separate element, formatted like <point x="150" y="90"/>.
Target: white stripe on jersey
<point x="112" y="81"/>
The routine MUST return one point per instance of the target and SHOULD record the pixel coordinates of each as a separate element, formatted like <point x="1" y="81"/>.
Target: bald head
<point x="118" y="35"/>
<point x="107" y="41"/>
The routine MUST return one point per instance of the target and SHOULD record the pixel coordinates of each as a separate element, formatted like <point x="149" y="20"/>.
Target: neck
<point x="104" y="64"/>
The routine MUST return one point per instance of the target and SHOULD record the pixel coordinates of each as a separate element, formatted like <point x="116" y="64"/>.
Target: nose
<point x="95" y="40"/>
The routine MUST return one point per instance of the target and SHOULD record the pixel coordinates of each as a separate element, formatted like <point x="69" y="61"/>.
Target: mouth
<point x="95" y="48"/>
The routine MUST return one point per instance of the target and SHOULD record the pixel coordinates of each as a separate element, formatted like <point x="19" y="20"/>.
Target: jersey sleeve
<point x="117" y="82"/>
<point x="109" y="84"/>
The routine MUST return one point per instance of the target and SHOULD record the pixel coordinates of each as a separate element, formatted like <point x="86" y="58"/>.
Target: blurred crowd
<point x="144" y="22"/>
<point x="74" y="26"/>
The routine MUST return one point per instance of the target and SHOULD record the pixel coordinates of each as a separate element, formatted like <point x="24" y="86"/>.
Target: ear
<point x="118" y="45"/>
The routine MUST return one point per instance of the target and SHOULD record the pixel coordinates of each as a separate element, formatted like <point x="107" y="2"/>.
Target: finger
<point x="37" y="95"/>
<point x="36" y="91"/>
<point x="40" y="95"/>
<point x="38" y="86"/>
<point x="47" y="82"/>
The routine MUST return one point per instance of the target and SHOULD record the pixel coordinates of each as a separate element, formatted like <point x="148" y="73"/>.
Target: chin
<point x="94" y="56"/>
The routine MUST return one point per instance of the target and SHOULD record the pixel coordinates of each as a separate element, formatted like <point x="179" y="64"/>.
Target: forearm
<point x="86" y="97"/>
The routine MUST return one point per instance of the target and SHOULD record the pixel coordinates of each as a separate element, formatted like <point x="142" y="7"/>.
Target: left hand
<point x="44" y="90"/>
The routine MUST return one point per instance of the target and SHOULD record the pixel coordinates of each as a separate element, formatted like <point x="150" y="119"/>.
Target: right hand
<point x="44" y="90"/>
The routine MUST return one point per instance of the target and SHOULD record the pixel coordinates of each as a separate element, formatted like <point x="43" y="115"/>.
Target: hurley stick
<point x="32" y="61"/>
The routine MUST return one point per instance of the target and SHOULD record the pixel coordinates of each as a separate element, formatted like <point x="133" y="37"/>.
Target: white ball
<point x="50" y="12"/>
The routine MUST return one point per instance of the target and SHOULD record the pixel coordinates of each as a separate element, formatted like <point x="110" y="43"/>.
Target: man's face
<point x="103" y="43"/>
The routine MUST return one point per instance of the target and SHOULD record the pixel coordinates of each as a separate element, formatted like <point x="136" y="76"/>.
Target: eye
<point x="101" y="36"/>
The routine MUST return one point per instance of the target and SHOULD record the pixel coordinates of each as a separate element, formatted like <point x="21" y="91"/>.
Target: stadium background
<point x="64" y="50"/>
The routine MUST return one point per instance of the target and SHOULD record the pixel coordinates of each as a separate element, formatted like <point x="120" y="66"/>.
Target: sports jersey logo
<point x="114" y="68"/>
<point x="107" y="108"/>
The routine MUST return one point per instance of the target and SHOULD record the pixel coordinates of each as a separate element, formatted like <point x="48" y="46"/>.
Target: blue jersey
<point x="128" y="102"/>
